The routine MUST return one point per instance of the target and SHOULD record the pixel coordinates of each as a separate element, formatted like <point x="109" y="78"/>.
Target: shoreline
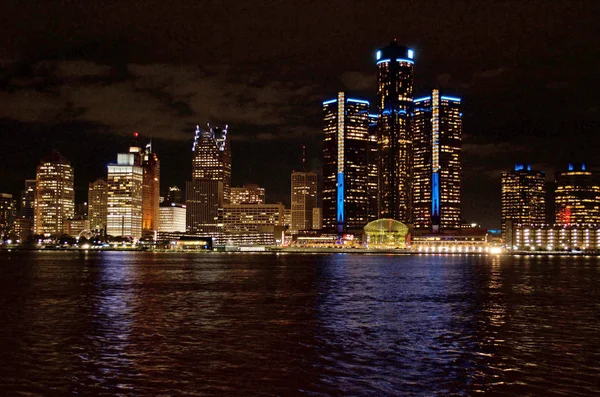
<point x="308" y="251"/>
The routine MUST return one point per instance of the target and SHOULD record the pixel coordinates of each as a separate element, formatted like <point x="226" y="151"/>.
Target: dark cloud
<point x="90" y="73"/>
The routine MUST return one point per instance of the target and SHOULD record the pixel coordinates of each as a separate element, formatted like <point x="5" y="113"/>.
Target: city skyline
<point x="521" y="102"/>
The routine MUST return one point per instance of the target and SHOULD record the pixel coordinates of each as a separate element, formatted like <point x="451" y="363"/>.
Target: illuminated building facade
<point x="98" y="205"/>
<point x="304" y="199"/>
<point x="317" y="221"/>
<point x="395" y="66"/>
<point x="54" y="196"/>
<point x="523" y="197"/>
<point x="171" y="218"/>
<point x="8" y="214"/>
<point x="240" y="218"/>
<point x="124" y="197"/>
<point x="553" y="238"/>
<point x="210" y="187"/>
<point x="345" y="163"/>
<point x="248" y="194"/>
<point x="437" y="130"/>
<point x="150" y="190"/>
<point x="372" y="173"/>
<point x="577" y="196"/>
<point x="77" y="226"/>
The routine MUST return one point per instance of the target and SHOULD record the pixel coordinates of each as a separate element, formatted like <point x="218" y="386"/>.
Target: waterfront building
<point x="345" y="163"/>
<point x="248" y="194"/>
<point x="242" y="218"/>
<point x="395" y="66"/>
<point x="303" y="199"/>
<point x="385" y="233"/>
<point x="556" y="237"/>
<point x="437" y="130"/>
<point x="98" y="205"/>
<point x="210" y="187"/>
<point x="54" y="195"/>
<point x="577" y="196"/>
<point x="523" y="197"/>
<point x="150" y="191"/>
<point x="172" y="218"/>
<point x="8" y="215"/>
<point x="174" y="195"/>
<point x="125" y="194"/>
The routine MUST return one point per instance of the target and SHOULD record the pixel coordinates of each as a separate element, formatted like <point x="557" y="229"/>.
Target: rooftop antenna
<point x="303" y="158"/>
<point x="135" y="139"/>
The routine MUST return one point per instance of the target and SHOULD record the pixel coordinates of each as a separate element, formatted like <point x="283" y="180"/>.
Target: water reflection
<point x="146" y="324"/>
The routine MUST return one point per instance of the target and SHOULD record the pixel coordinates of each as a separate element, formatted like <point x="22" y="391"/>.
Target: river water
<point x="144" y="324"/>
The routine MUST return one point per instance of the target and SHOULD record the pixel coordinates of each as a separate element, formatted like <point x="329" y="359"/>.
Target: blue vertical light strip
<point x="435" y="194"/>
<point x="340" y="201"/>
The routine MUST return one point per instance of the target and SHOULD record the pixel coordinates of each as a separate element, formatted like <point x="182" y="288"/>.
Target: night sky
<point x="82" y="76"/>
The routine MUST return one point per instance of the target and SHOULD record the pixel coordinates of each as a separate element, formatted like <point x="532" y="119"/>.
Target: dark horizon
<point x="82" y="79"/>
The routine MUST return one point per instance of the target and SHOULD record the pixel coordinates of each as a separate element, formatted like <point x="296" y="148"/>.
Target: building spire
<point x="303" y="158"/>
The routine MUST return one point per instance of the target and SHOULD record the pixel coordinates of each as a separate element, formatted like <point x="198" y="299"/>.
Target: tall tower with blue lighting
<point x="345" y="163"/>
<point x="437" y="133"/>
<point x="395" y="70"/>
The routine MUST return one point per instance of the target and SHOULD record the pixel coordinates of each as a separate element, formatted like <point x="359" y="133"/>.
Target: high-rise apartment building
<point x="210" y="187"/>
<point x="437" y="130"/>
<point x="345" y="163"/>
<point x="124" y="197"/>
<point x="577" y="196"/>
<point x="98" y="205"/>
<point x="8" y="214"/>
<point x="248" y="194"/>
<point x="54" y="196"/>
<point x="395" y="65"/>
<point x="304" y="199"/>
<point x="150" y="190"/>
<point x="523" y="197"/>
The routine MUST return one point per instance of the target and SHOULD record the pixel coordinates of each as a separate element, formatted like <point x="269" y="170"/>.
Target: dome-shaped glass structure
<point x="386" y="233"/>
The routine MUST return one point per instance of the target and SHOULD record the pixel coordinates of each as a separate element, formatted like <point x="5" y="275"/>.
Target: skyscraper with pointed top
<point x="395" y="66"/>
<point x="210" y="187"/>
<point x="150" y="190"/>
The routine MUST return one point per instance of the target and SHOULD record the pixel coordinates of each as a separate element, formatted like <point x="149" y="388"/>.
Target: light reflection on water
<point x="145" y="324"/>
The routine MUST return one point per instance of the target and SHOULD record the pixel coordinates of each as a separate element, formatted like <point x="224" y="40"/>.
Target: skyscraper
<point x="345" y="163"/>
<point x="98" y="205"/>
<point x="577" y="196"/>
<point x="373" y="174"/>
<point x="8" y="214"/>
<point x="523" y="197"/>
<point x="437" y="130"/>
<point x="150" y="190"/>
<point x="304" y="199"/>
<point x="28" y="200"/>
<point x="395" y="66"/>
<point x="124" y="198"/>
<point x="210" y="187"/>
<point x="54" y="197"/>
